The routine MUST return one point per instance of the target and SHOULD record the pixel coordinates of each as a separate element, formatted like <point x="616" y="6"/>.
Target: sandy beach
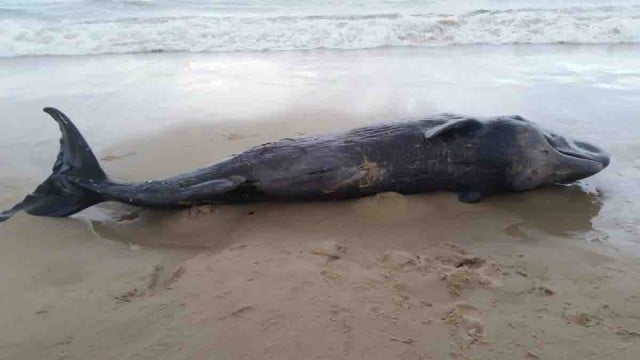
<point x="547" y="274"/>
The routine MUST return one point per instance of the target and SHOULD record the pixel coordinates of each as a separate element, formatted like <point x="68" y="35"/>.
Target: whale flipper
<point x="205" y="190"/>
<point x="455" y="124"/>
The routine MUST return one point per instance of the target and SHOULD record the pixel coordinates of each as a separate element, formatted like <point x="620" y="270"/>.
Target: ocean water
<point x="81" y="27"/>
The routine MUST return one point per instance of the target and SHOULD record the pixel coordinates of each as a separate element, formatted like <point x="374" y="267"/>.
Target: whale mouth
<point x="577" y="149"/>
<point x="604" y="161"/>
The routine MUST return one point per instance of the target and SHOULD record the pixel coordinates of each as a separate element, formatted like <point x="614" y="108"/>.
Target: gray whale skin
<point x="467" y="155"/>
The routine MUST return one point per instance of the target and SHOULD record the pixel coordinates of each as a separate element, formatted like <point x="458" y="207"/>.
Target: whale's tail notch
<point x="59" y="196"/>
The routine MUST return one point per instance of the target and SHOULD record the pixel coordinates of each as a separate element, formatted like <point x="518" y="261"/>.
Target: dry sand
<point x="518" y="276"/>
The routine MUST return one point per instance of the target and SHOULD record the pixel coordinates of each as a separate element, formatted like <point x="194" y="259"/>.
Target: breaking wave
<point x="28" y="35"/>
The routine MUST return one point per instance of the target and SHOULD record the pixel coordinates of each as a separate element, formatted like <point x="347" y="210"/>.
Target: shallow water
<point x="159" y="114"/>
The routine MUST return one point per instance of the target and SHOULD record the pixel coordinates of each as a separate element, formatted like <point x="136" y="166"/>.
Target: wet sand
<point x="548" y="274"/>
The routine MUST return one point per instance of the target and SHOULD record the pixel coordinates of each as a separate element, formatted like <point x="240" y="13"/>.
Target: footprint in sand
<point x="273" y="321"/>
<point x="401" y="261"/>
<point x="332" y="277"/>
<point x="462" y="272"/>
<point x="581" y="318"/>
<point x="331" y="249"/>
<point x="466" y="317"/>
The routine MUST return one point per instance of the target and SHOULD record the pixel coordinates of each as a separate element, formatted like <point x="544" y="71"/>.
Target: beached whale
<point x="470" y="156"/>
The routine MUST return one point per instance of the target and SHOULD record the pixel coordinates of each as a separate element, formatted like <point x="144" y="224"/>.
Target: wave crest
<point x="20" y="37"/>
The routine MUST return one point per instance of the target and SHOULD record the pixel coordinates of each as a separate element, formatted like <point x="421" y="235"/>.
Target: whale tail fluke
<point x="59" y="195"/>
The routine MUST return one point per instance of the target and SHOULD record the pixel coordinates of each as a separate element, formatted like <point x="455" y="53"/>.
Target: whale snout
<point x="577" y="149"/>
<point x="583" y="159"/>
<point x="578" y="159"/>
<point x="591" y="152"/>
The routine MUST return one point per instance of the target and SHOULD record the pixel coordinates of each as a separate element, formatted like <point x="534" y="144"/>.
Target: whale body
<point x="467" y="155"/>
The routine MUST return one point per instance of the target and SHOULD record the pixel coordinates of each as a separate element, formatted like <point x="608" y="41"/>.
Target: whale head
<point x="511" y="153"/>
<point x="538" y="157"/>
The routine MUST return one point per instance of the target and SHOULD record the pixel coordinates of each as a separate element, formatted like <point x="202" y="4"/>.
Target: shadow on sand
<point x="378" y="220"/>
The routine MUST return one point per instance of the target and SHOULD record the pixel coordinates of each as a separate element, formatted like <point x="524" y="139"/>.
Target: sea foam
<point x="23" y="36"/>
